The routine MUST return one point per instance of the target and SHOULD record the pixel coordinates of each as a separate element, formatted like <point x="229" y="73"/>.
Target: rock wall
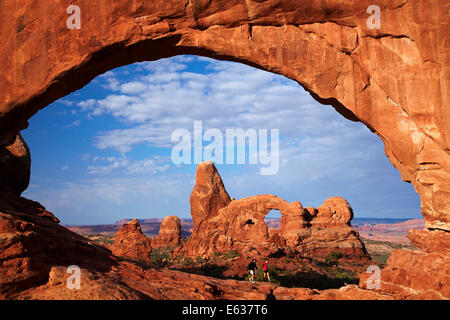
<point x="420" y="274"/>
<point x="209" y="194"/>
<point x="32" y="243"/>
<point x="15" y="165"/>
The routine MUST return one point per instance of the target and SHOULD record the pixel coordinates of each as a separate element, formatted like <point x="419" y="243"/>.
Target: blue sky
<point x="102" y="153"/>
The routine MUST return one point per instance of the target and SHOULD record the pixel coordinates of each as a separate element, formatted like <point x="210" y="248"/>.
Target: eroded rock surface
<point x="15" y="164"/>
<point x="209" y="194"/>
<point x="32" y="243"/>
<point x="131" y="242"/>
<point x="169" y="235"/>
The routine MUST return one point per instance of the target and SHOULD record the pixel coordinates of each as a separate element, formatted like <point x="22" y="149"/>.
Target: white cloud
<point x="230" y="96"/>
<point x="133" y="87"/>
<point x="126" y="166"/>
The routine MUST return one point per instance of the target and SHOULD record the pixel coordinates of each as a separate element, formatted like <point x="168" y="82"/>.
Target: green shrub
<point x="335" y="255"/>
<point x="199" y="260"/>
<point x="230" y="255"/>
<point x="333" y="258"/>
<point x="160" y="257"/>
<point x="344" y="274"/>
<point x="188" y="262"/>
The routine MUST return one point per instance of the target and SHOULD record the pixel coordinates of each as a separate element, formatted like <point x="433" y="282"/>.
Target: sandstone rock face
<point x="31" y="243"/>
<point x="334" y="210"/>
<point x="131" y="243"/>
<point x="15" y="164"/>
<point x="414" y="275"/>
<point x="169" y="233"/>
<point x="240" y="225"/>
<point x="420" y="274"/>
<point x="431" y="241"/>
<point x="209" y="194"/>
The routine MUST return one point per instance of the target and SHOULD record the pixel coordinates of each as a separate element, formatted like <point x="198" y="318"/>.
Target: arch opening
<point x="272" y="219"/>
<point x="120" y="54"/>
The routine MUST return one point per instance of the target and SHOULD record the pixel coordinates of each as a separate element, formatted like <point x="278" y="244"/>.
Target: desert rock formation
<point x="396" y="232"/>
<point x="419" y="274"/>
<point x="209" y="194"/>
<point x="130" y="242"/>
<point x="35" y="252"/>
<point x="32" y="243"/>
<point x="169" y="233"/>
<point x="221" y="226"/>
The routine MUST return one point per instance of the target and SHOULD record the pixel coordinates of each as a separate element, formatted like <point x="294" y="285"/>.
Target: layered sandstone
<point x="396" y="232"/>
<point x="169" y="235"/>
<point x="131" y="242"/>
<point x="240" y="225"/>
<point x="15" y="164"/>
<point x="32" y="243"/>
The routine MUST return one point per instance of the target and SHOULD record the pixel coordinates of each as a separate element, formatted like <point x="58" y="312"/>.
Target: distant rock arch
<point x="222" y="224"/>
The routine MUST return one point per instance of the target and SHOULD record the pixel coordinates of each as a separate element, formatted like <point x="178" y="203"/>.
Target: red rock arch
<point x="393" y="79"/>
<point x="255" y="208"/>
<point x="222" y="225"/>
